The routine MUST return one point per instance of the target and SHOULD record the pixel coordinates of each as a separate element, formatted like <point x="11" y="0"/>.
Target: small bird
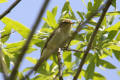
<point x="58" y="38"/>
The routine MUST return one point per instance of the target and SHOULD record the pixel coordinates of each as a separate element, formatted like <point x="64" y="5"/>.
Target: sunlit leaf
<point x="98" y="76"/>
<point x="54" y="10"/>
<point x="117" y="54"/>
<point x="6" y="33"/>
<point x="2" y="1"/>
<point x="90" y="70"/>
<point x="67" y="59"/>
<point x="118" y="37"/>
<point x="114" y="47"/>
<point x="20" y="28"/>
<point x="106" y="64"/>
<point x="33" y="60"/>
<point x="50" y="20"/>
<point x="115" y="27"/>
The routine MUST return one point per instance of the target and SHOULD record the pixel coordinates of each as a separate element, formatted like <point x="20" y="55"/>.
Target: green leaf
<point x="20" y="28"/>
<point x="106" y="64"/>
<point x="54" y="10"/>
<point x="117" y="54"/>
<point x="90" y="71"/>
<point x="72" y="13"/>
<point x="97" y="4"/>
<point x="32" y="60"/>
<point x="27" y="69"/>
<point x="114" y="3"/>
<point x="112" y="34"/>
<point x="43" y="77"/>
<point x="50" y="20"/>
<point x="115" y="27"/>
<point x="110" y="20"/>
<point x="114" y="47"/>
<point x="6" y="33"/>
<point x="2" y="1"/>
<point x="20" y="75"/>
<point x="118" y="37"/>
<point x="67" y="59"/>
<point x="15" y="48"/>
<point x="66" y="7"/>
<point x="44" y="69"/>
<point x="98" y="76"/>
<point x="7" y="61"/>
<point x="104" y="22"/>
<point x="110" y="13"/>
<point x="81" y="15"/>
<point x="89" y="6"/>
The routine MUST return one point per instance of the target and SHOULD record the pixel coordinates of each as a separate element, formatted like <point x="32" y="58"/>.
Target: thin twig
<point x="60" y="64"/>
<point x="92" y="39"/>
<point x="25" y="47"/>
<point x="68" y="49"/>
<point x="9" y="9"/>
<point x="3" y="65"/>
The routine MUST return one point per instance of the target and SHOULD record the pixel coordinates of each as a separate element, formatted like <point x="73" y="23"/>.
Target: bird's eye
<point x="65" y="22"/>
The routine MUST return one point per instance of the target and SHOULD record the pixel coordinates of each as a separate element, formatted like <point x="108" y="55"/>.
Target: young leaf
<point x="2" y="1"/>
<point x="106" y="64"/>
<point x="118" y="37"/>
<point x="20" y="28"/>
<point x="33" y="60"/>
<point x="114" y="47"/>
<point x="90" y="70"/>
<point x="117" y="54"/>
<point x="50" y="20"/>
<point x="81" y="15"/>
<point x="98" y="76"/>
<point x="114" y="3"/>
<point x="6" y="33"/>
<point x="115" y="27"/>
<point x="67" y="59"/>
<point x="54" y="10"/>
<point x="66" y="7"/>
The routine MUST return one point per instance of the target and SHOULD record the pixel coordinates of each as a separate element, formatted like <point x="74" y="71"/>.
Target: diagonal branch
<point x="25" y="47"/>
<point x="2" y="64"/>
<point x="92" y="39"/>
<point x="9" y="9"/>
<point x="60" y="64"/>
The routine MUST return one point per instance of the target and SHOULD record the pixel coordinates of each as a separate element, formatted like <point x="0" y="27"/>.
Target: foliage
<point x="106" y="43"/>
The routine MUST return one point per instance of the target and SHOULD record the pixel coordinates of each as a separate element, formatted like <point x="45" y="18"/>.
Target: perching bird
<point x="58" y="38"/>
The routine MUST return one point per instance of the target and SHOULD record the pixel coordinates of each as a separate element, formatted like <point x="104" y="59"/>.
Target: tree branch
<point x="9" y="9"/>
<point x="2" y="64"/>
<point x="25" y="47"/>
<point x="92" y="39"/>
<point x="60" y="64"/>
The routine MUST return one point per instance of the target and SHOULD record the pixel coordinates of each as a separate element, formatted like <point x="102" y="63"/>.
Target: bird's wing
<point x="48" y="39"/>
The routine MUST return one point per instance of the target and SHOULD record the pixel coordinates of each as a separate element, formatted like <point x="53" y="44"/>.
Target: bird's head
<point x="66" y="24"/>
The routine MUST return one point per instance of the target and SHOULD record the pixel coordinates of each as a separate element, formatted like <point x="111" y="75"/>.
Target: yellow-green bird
<point x="58" y="38"/>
